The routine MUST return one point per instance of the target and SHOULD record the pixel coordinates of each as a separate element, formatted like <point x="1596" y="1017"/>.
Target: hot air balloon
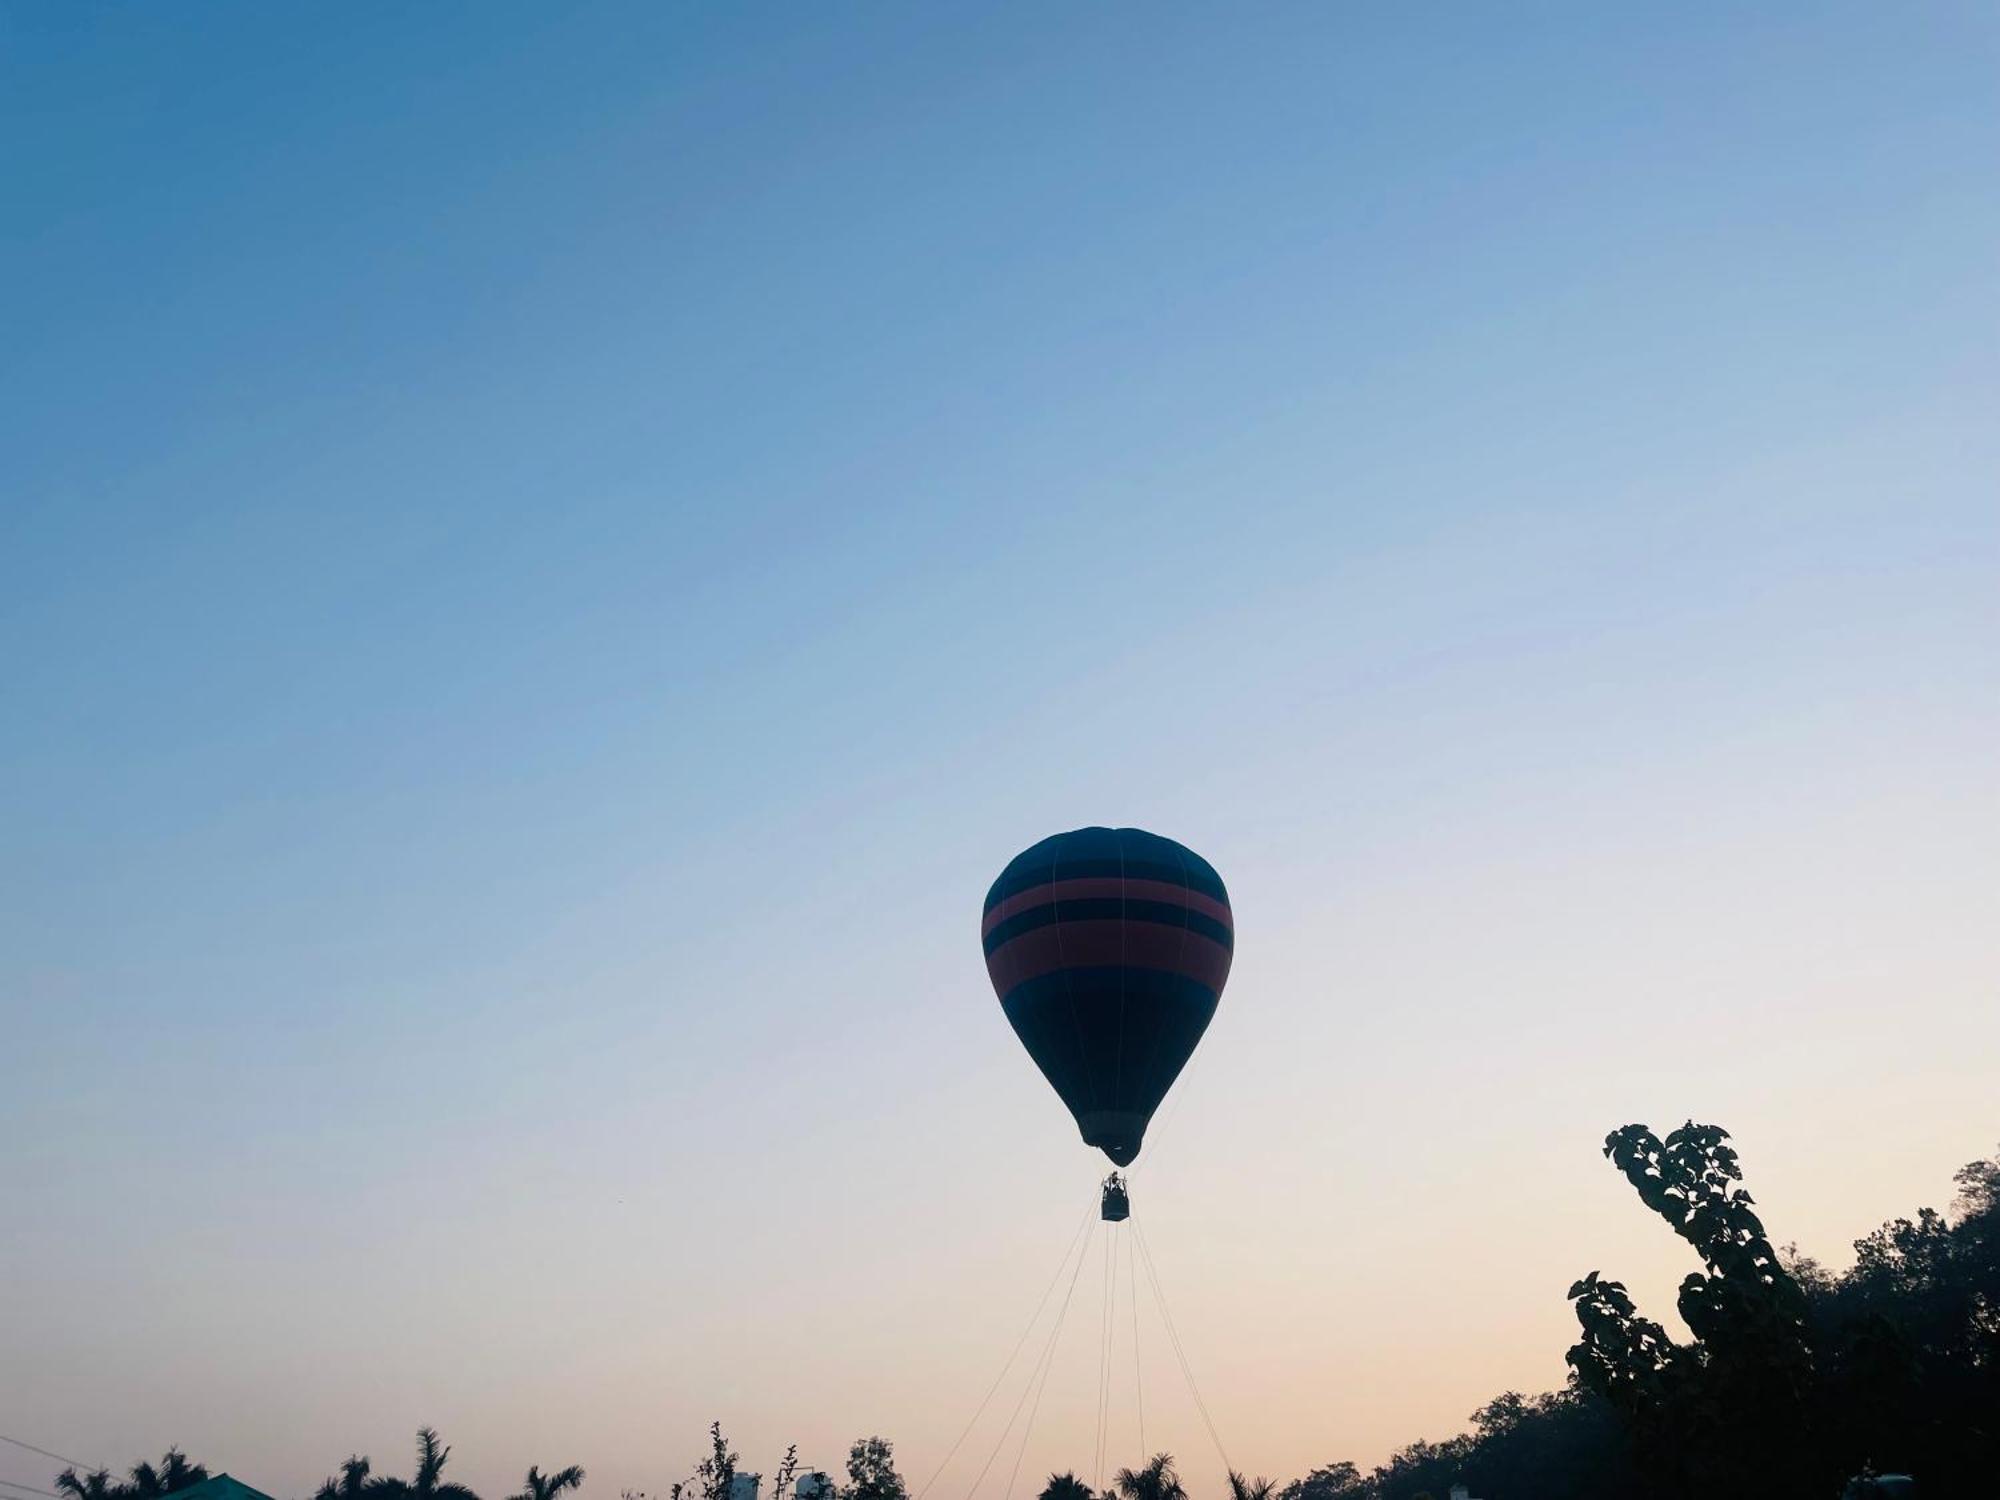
<point x="1108" y="948"/>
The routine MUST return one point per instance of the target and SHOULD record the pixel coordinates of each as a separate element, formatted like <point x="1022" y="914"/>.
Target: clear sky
<point x="551" y="552"/>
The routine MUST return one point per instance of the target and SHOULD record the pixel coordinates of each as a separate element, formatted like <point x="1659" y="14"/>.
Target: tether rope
<point x="1174" y="1338"/>
<point x="987" y="1399"/>
<point x="1103" y="1370"/>
<point x="1138" y="1378"/>
<point x="1048" y="1364"/>
<point x="1110" y="1359"/>
<point x="1047" y="1355"/>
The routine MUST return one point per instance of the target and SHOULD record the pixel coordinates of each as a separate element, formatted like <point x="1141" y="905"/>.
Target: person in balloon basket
<point x="1117" y="1204"/>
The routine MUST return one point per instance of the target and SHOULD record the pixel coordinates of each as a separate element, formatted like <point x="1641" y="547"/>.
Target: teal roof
<point x="220" y="1487"/>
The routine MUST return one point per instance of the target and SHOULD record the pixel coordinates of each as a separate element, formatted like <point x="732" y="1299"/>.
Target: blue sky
<point x="550" y="553"/>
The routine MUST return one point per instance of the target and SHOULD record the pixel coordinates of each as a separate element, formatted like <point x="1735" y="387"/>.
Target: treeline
<point x="1799" y="1383"/>
<point x="871" y="1475"/>
<point x="357" y="1479"/>
<point x="147" y="1482"/>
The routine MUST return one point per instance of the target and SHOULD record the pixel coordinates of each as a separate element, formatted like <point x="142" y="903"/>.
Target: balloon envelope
<point x="1108" y="948"/>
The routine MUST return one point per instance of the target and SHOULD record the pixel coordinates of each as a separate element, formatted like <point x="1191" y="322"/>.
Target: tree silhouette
<point x="1341" y="1481"/>
<point x="1156" y="1480"/>
<point x="1909" y="1343"/>
<point x="714" y="1476"/>
<point x="1565" y="1445"/>
<point x="173" y="1474"/>
<point x="1729" y="1414"/>
<point x="1422" y="1468"/>
<point x="1065" y="1486"/>
<point x="540" y="1486"/>
<point x="1259" y="1488"/>
<point x="352" y="1484"/>
<point x="1798" y="1379"/>
<point x="871" y="1472"/>
<point x="428" y="1483"/>
<point x="97" y="1485"/>
<point x="788" y="1469"/>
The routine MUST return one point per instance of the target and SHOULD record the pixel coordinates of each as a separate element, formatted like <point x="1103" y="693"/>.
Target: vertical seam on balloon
<point x="1180" y="959"/>
<point x="1181" y="955"/>
<point x="1124" y="975"/>
<point x="1187" y="917"/>
<point x="1062" y="959"/>
<point x="1187" y="908"/>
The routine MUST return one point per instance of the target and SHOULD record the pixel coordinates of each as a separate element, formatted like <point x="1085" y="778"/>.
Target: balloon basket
<point x="1117" y="1203"/>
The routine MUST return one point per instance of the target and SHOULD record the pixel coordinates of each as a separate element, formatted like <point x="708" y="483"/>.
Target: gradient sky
<point x="551" y="552"/>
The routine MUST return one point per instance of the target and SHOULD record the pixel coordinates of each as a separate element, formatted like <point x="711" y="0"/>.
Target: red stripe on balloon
<point x="1107" y="888"/>
<point x="1089" y="945"/>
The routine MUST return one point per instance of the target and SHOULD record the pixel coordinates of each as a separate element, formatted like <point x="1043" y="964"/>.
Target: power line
<point x="16" y="1485"/>
<point x="74" y="1463"/>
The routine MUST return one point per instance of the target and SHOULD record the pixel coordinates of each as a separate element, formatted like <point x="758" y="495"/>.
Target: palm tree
<point x="174" y="1473"/>
<point x="96" y="1486"/>
<point x="540" y="1486"/>
<point x="1066" y="1486"/>
<point x="1259" y="1488"/>
<point x="1156" y="1481"/>
<point x="352" y="1484"/>
<point x="428" y="1482"/>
